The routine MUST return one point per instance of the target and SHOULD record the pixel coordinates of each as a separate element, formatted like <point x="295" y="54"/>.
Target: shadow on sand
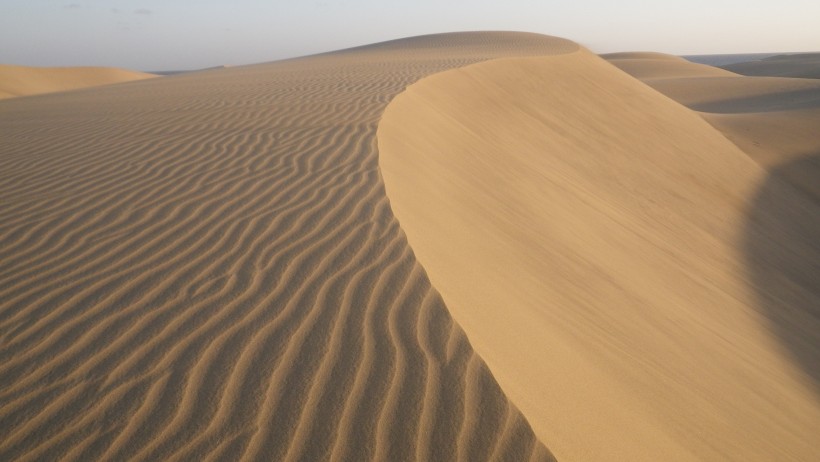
<point x="782" y="245"/>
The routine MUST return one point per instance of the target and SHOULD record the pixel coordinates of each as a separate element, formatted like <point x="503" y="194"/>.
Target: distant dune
<point x="774" y="120"/>
<point x="621" y="266"/>
<point x="658" y="65"/>
<point x="721" y="60"/>
<point x="189" y="71"/>
<point x="804" y="65"/>
<point x="23" y="81"/>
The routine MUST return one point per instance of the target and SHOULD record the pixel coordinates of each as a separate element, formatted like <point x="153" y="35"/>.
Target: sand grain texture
<point x="206" y="267"/>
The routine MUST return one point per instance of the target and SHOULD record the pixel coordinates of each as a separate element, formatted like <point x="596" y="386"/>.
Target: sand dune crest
<point x="23" y="81"/>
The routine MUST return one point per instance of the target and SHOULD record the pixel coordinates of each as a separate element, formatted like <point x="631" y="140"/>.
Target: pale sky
<point x="187" y="34"/>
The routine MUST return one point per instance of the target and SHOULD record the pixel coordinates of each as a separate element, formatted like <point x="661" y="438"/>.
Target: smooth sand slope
<point x="640" y="287"/>
<point x="206" y="267"/>
<point x="775" y="121"/>
<point x="24" y="81"/>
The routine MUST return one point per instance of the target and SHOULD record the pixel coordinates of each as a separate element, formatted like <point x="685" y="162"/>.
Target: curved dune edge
<point x="587" y="234"/>
<point x="18" y="81"/>
<point x="206" y="268"/>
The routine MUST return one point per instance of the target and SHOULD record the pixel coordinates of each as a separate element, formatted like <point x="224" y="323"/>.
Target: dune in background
<point x="649" y="65"/>
<point x="804" y="65"/>
<point x="774" y="120"/>
<point x="623" y="268"/>
<point x="206" y="267"/>
<point x="24" y="81"/>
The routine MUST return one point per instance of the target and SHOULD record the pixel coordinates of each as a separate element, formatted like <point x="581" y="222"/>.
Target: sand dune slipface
<point x="625" y="270"/>
<point x="206" y="266"/>
<point x="774" y="120"/>
<point x="24" y="81"/>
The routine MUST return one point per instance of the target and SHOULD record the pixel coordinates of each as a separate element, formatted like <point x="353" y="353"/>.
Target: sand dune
<point x="639" y="286"/>
<point x="23" y="81"/>
<point x="646" y="65"/>
<point x="773" y="119"/>
<point x="207" y="267"/>
<point x="803" y="65"/>
<point x="716" y="90"/>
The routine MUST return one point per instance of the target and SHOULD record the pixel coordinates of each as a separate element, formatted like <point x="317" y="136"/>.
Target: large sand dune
<point x="206" y="266"/>
<point x="23" y="81"/>
<point x="640" y="287"/>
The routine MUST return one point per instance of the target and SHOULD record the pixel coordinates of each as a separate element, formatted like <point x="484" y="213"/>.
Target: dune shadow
<point x="782" y="247"/>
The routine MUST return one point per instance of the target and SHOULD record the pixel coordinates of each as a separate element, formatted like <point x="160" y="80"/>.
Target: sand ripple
<point x="206" y="266"/>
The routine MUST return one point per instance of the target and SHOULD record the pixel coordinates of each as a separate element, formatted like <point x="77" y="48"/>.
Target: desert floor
<point x="467" y="246"/>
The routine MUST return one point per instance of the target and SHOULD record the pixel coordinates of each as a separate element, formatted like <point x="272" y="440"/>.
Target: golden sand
<point x="214" y="265"/>
<point x="638" y="285"/>
<point x="206" y="267"/>
<point x="24" y="81"/>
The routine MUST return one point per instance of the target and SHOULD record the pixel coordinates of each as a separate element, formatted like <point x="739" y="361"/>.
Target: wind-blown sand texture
<point x="24" y="81"/>
<point x="640" y="287"/>
<point x="206" y="267"/>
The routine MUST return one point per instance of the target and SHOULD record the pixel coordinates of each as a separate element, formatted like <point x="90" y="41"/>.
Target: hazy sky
<point x="188" y="34"/>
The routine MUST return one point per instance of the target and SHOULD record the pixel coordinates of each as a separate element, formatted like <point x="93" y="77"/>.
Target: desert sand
<point x="805" y="65"/>
<point x="774" y="120"/>
<point x="24" y="81"/>
<point x="205" y="266"/>
<point x="641" y="287"/>
<point x="468" y="246"/>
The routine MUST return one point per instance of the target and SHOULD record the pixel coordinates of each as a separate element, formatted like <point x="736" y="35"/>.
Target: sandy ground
<point x="206" y="267"/>
<point x="772" y="119"/>
<point x="24" y="81"/>
<point x="514" y="258"/>
<point x="805" y="65"/>
<point x="641" y="287"/>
